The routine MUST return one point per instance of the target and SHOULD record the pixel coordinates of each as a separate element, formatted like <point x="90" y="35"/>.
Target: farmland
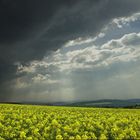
<point x="28" y="122"/>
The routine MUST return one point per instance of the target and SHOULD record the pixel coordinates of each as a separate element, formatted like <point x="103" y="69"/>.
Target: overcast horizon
<point x="63" y="50"/>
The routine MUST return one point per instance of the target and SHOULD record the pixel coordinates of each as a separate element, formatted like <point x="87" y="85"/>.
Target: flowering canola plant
<point x="30" y="122"/>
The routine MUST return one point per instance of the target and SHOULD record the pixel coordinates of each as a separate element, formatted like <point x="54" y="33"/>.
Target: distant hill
<point x="108" y="103"/>
<point x="129" y="103"/>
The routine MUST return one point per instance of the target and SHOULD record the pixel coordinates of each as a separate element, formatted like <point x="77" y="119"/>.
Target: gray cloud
<point x="91" y="73"/>
<point x="29" y="29"/>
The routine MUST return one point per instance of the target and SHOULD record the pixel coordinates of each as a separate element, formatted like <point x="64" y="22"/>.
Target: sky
<point x="69" y="50"/>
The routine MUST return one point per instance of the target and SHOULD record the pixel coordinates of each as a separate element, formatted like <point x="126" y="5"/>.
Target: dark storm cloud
<point x="31" y="28"/>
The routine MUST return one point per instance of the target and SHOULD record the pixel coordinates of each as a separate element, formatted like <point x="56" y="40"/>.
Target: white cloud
<point x="46" y="79"/>
<point x="101" y="35"/>
<point x="88" y="69"/>
<point x="121" y="50"/>
<point x="80" y="40"/>
<point x="132" y="39"/>
<point x="120" y="22"/>
<point x="125" y="49"/>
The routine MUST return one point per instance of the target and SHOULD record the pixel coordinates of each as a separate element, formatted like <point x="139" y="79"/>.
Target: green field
<point x="28" y="122"/>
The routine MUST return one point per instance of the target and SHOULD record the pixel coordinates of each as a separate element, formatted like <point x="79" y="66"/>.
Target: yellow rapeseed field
<point x="28" y="122"/>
